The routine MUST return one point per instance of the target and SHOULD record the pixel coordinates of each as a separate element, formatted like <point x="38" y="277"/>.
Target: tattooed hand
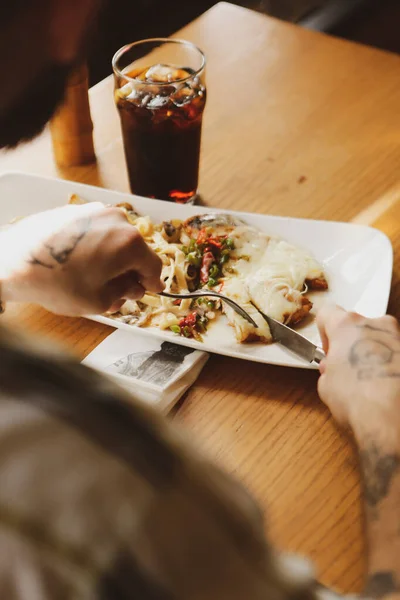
<point x="361" y="375"/>
<point x="77" y="260"/>
<point x="360" y="383"/>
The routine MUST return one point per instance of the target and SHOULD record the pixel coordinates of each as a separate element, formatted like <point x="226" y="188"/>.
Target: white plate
<point x="358" y="260"/>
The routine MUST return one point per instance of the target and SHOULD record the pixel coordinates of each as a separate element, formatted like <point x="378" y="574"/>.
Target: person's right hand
<point x="77" y="260"/>
<point x="360" y="378"/>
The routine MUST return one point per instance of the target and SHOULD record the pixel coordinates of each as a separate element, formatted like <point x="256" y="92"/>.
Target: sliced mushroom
<point x="171" y="231"/>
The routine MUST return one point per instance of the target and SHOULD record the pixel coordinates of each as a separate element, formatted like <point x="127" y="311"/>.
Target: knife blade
<point x="293" y="341"/>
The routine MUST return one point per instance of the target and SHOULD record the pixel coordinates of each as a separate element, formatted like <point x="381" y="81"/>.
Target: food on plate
<point x="221" y="252"/>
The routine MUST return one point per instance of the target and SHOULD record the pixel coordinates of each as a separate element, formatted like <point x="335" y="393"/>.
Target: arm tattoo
<point x="375" y="358"/>
<point x="370" y="352"/>
<point x="35" y="261"/>
<point x="381" y="584"/>
<point x="378" y="470"/>
<point x="61" y="248"/>
<point x="61" y="255"/>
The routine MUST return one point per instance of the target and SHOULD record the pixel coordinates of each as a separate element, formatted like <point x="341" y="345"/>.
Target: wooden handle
<point x="72" y="127"/>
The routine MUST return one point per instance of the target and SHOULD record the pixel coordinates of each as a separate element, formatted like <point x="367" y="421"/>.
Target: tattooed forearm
<point x="63" y="245"/>
<point x="381" y="584"/>
<point x="378" y="470"/>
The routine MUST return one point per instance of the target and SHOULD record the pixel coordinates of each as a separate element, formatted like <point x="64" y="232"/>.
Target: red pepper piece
<point x="208" y="260"/>
<point x="202" y="236"/>
<point x="214" y="242"/>
<point x="189" y="320"/>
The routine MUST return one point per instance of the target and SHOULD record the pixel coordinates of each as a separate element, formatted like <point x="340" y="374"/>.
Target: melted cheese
<point x="250" y="247"/>
<point x="276" y="257"/>
<point x="272" y="298"/>
<point x="270" y="273"/>
<point x="237" y="290"/>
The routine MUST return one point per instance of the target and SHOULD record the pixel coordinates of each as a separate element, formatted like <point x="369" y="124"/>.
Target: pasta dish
<point x="220" y="252"/>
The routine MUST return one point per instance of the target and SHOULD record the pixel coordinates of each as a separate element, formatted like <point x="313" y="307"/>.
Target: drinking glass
<point x="160" y="94"/>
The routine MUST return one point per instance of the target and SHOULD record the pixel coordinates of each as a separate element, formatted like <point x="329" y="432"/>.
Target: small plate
<point x="358" y="260"/>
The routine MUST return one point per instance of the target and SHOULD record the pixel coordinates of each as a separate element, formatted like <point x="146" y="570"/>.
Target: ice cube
<point x="158" y="102"/>
<point x="194" y="83"/>
<point x="137" y="97"/>
<point x="134" y="96"/>
<point x="142" y="94"/>
<point x="183" y="95"/>
<point x="145" y="99"/>
<point x="139" y="74"/>
<point x="165" y="90"/>
<point x="164" y="74"/>
<point x="125" y="90"/>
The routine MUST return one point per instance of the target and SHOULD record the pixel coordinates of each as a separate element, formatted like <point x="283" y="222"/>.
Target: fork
<point x="212" y="294"/>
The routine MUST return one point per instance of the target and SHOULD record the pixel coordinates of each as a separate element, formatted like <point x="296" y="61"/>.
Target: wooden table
<point x="297" y="124"/>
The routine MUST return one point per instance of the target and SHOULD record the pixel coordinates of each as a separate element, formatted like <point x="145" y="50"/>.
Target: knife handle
<point x="319" y="355"/>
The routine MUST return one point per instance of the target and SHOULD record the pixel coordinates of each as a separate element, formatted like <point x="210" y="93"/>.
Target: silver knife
<point x="295" y="342"/>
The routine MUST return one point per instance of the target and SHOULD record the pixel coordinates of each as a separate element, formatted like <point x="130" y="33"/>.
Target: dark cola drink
<point x="161" y="109"/>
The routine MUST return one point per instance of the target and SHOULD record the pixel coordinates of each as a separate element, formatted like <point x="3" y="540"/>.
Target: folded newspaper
<point x="154" y="371"/>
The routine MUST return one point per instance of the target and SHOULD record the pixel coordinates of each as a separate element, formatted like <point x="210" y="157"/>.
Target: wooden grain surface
<point x="297" y="124"/>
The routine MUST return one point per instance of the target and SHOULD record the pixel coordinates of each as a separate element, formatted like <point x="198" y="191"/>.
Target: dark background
<point x="373" y="22"/>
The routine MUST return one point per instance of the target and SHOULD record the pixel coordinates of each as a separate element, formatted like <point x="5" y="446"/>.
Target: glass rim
<point x="127" y="47"/>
